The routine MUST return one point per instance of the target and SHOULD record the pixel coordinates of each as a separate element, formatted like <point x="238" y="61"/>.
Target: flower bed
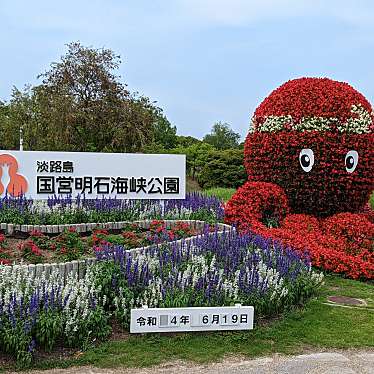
<point x="79" y="267"/>
<point x="72" y="245"/>
<point x="21" y="214"/>
<point x="219" y="268"/>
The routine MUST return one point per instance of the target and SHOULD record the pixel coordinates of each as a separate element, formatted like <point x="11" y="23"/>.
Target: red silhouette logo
<point x="17" y="184"/>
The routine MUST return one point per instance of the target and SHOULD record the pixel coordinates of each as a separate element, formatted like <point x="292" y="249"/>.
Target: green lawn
<point x="221" y="192"/>
<point x="317" y="326"/>
<point x="226" y="193"/>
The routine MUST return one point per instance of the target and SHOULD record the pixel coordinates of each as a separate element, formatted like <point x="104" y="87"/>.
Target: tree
<point x="81" y="105"/>
<point x="164" y="133"/>
<point x="223" y="169"/>
<point x="222" y="137"/>
<point x="186" y="141"/>
<point x="196" y="155"/>
<point x="9" y="133"/>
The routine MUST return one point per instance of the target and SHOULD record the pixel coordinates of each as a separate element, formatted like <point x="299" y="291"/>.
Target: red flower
<point x="101" y="231"/>
<point x="254" y="203"/>
<point x="36" y="233"/>
<point x="354" y="230"/>
<point x="312" y="97"/>
<point x="29" y="248"/>
<point x="341" y="244"/>
<point x="35" y="250"/>
<point x="129" y="235"/>
<point x="157" y="226"/>
<point x="98" y="236"/>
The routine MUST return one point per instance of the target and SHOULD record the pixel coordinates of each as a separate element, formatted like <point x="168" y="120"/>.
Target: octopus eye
<point x="351" y="161"/>
<point x="306" y="159"/>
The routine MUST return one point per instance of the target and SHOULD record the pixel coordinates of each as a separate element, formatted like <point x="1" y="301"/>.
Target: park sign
<point x="146" y="320"/>
<point x="38" y="175"/>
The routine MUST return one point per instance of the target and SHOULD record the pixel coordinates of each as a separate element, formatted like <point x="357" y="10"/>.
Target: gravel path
<point x="343" y="362"/>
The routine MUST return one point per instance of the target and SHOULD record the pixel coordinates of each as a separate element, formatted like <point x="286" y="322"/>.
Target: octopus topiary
<point x="309" y="160"/>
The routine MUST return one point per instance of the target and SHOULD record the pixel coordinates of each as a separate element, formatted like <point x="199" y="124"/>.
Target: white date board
<point x="146" y="320"/>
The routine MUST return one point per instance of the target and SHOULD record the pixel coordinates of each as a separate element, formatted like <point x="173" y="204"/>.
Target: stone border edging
<point x="10" y="228"/>
<point x="78" y="267"/>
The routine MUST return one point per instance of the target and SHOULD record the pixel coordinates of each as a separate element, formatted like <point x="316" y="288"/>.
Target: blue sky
<point x="202" y="60"/>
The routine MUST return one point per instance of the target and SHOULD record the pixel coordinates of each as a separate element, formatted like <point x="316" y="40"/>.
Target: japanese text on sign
<point x="191" y="319"/>
<point x="106" y="185"/>
<point x="47" y="184"/>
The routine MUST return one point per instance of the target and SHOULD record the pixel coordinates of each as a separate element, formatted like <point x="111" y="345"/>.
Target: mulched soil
<point x="15" y="253"/>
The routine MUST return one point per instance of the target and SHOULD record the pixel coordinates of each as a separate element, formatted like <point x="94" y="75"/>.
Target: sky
<point x="203" y="61"/>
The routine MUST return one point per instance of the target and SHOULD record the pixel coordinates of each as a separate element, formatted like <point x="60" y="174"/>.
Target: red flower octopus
<point x="309" y="160"/>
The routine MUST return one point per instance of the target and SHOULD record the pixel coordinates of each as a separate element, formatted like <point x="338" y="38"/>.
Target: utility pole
<point x="21" y="138"/>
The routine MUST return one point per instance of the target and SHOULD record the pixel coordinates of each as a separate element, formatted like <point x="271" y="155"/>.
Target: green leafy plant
<point x="48" y="329"/>
<point x="94" y="327"/>
<point x="40" y="239"/>
<point x="5" y="258"/>
<point x="18" y="342"/>
<point x="69" y="245"/>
